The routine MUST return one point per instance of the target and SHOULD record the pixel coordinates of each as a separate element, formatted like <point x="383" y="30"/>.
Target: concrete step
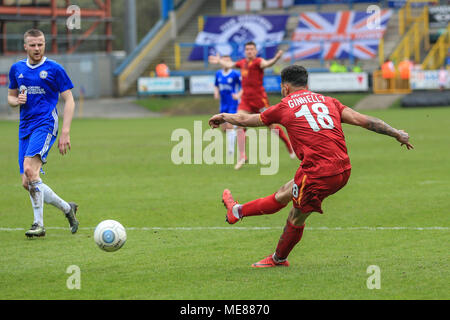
<point x="377" y="101"/>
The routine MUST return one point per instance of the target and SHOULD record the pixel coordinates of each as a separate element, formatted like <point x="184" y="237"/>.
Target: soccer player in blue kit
<point x="35" y="86"/>
<point x="227" y="88"/>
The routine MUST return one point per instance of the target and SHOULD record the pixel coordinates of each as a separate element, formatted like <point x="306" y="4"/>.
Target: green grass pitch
<point x="394" y="213"/>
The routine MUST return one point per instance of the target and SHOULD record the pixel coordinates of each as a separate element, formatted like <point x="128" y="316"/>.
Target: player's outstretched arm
<point x="69" y="108"/>
<point x="271" y="62"/>
<point x="353" y="117"/>
<point x="228" y="64"/>
<point x="238" y="119"/>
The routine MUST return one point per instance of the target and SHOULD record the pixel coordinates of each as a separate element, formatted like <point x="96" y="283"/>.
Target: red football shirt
<point x="313" y="123"/>
<point x="252" y="78"/>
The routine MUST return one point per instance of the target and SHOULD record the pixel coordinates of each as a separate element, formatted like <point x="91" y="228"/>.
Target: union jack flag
<point x="338" y="35"/>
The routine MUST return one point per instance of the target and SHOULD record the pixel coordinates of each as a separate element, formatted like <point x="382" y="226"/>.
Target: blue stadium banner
<point x="227" y="35"/>
<point x="272" y="83"/>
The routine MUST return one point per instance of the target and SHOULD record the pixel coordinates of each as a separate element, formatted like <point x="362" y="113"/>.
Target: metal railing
<point x="396" y="85"/>
<point x="405" y="16"/>
<point x="436" y="56"/>
<point x="416" y="38"/>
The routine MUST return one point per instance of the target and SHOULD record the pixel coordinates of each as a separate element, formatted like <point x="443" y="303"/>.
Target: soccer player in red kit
<point x="313" y="123"/>
<point x="254" y="97"/>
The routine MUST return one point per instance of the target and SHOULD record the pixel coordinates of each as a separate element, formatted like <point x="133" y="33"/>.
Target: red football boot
<point x="268" y="262"/>
<point x="229" y="203"/>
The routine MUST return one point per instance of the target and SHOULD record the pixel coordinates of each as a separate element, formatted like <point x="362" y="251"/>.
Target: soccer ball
<point x="110" y="235"/>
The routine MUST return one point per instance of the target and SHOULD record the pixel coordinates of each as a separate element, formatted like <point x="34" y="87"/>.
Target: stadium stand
<point x="177" y="50"/>
<point x="186" y="38"/>
<point x="149" y="49"/>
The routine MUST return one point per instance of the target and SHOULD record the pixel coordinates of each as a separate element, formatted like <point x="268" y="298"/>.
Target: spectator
<point x="334" y="67"/>
<point x="357" y="67"/>
<point x="162" y="70"/>
<point x="388" y="72"/>
<point x="342" y="67"/>
<point x="405" y="68"/>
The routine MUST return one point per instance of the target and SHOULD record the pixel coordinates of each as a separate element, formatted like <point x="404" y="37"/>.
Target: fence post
<point x="223" y="7"/>
<point x="352" y="57"/>
<point x="408" y="13"/>
<point x="322" y="57"/>
<point x="177" y="52"/>
<point x="426" y="28"/>
<point x="416" y="43"/>
<point x="201" y="23"/>
<point x="381" y="51"/>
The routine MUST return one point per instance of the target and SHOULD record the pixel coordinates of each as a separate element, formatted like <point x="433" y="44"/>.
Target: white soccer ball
<point x="110" y="235"/>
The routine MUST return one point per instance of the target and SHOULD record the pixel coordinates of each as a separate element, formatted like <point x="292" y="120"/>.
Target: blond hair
<point x="32" y="33"/>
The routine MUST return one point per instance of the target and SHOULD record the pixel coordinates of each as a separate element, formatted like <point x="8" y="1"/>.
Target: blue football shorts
<point x="228" y="108"/>
<point x="37" y="143"/>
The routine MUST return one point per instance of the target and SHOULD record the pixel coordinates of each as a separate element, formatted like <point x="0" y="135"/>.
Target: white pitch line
<point x="248" y="228"/>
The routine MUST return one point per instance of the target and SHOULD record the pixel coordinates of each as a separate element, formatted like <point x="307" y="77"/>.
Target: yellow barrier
<point x="401" y="21"/>
<point x="436" y="57"/>
<point x="410" y="45"/>
<point x="405" y="18"/>
<point x="201" y="23"/>
<point x="381" y="51"/>
<point x="389" y="86"/>
<point x="223" y="7"/>
<point x="177" y="52"/>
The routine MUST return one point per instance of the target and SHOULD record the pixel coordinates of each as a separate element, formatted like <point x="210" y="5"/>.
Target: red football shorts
<point x="308" y="193"/>
<point x="254" y="105"/>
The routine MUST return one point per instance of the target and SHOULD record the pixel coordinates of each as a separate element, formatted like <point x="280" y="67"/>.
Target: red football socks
<point x="280" y="132"/>
<point x="267" y="205"/>
<point x="291" y="236"/>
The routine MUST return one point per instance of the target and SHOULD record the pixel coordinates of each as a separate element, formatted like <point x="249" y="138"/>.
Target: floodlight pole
<point x="130" y="26"/>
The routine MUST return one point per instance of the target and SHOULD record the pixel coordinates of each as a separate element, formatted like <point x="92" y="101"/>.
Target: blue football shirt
<point x="228" y="83"/>
<point x="42" y="83"/>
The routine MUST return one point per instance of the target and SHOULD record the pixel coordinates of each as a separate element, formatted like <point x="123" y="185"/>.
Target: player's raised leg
<point x="267" y="205"/>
